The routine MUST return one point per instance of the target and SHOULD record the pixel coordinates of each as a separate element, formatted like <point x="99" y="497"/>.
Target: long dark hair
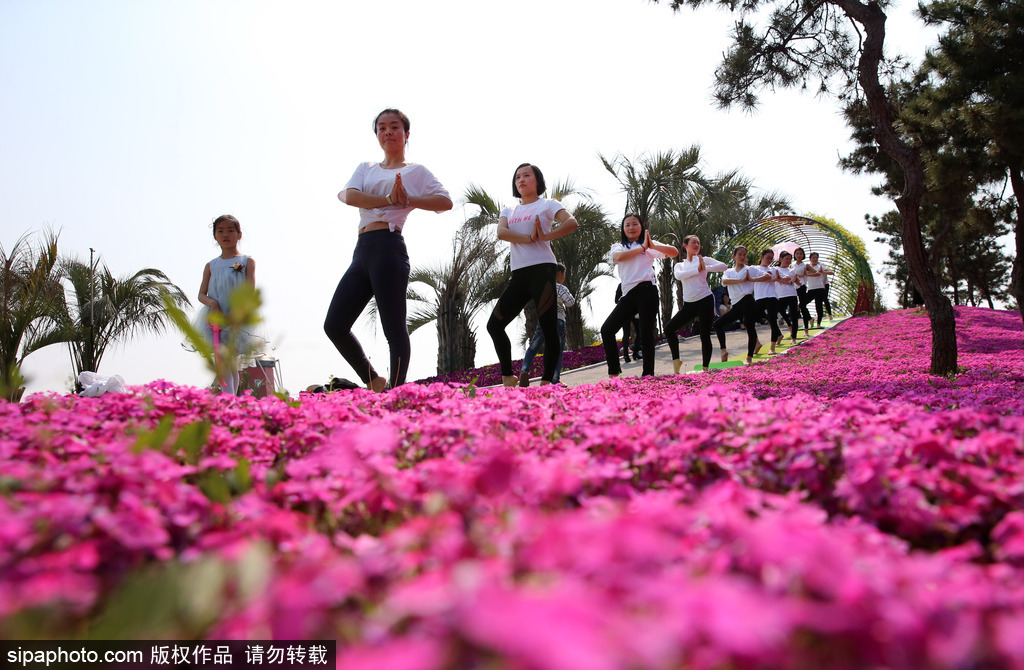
<point x="622" y="229"/>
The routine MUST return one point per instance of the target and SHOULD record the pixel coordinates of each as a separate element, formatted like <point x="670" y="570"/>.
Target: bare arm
<point x="357" y="198"/>
<point x="430" y="203"/>
<point x="566" y="224"/>
<point x="204" y="289"/>
<point x="666" y="249"/>
<point x="508" y="235"/>
<point x="250" y="271"/>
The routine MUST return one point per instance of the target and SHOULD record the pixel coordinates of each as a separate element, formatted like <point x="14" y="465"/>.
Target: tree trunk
<point x="1017" y="274"/>
<point x="530" y="311"/>
<point x="940" y="311"/>
<point x="447" y="337"/>
<point x="665" y="280"/>
<point x="573" y="327"/>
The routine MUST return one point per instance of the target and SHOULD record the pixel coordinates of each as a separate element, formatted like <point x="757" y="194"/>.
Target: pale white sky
<point x="130" y="125"/>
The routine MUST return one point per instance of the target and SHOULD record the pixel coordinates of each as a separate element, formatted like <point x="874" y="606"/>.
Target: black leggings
<point x="704" y="310"/>
<point x="791" y="305"/>
<point x="379" y="269"/>
<point x="818" y="296"/>
<point x="801" y="298"/>
<point x="537" y="283"/>
<point x="769" y="307"/>
<point x="643" y="298"/>
<point x="745" y="310"/>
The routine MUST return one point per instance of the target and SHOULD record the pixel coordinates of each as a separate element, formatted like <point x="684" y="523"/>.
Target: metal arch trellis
<point x="853" y="285"/>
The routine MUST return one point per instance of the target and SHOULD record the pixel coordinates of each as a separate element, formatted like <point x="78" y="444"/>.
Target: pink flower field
<point x="834" y="507"/>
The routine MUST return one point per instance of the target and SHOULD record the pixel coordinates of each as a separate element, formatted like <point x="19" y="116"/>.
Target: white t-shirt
<point x="372" y="179"/>
<point x="737" y="291"/>
<point x="819" y="281"/>
<point x="637" y="269"/>
<point x="799" y="270"/>
<point x="520" y="220"/>
<point x="763" y="289"/>
<point x="782" y="289"/>
<point x="695" y="282"/>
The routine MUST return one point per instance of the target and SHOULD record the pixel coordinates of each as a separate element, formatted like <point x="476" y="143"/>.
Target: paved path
<point x="690" y="354"/>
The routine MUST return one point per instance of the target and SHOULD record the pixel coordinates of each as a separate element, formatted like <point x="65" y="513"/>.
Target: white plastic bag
<point x="95" y="385"/>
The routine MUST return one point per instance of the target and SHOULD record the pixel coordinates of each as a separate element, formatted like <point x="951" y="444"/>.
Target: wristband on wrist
<point x="388" y="198"/>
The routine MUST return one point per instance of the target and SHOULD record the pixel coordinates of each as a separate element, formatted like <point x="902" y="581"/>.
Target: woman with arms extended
<point x="385" y="193"/>
<point x="633" y="256"/>
<point x="698" y="301"/>
<point x="529" y="228"/>
<point x="741" y="293"/>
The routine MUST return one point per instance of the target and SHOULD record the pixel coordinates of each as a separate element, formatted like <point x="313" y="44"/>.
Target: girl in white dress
<point x="221" y="276"/>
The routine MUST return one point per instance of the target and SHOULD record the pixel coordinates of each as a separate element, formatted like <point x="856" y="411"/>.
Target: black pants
<point x="769" y="307"/>
<point x="828" y="303"/>
<point x="379" y="269"/>
<point x="802" y="299"/>
<point x="742" y="310"/>
<point x="537" y="283"/>
<point x="818" y="296"/>
<point x="791" y="305"/>
<point x="704" y="310"/>
<point x="642" y="298"/>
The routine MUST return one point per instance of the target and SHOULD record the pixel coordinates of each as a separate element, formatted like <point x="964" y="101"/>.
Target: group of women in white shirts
<point x="385" y="192"/>
<point x="755" y="291"/>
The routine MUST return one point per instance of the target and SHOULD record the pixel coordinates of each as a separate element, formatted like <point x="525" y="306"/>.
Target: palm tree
<point x="584" y="254"/>
<point x="461" y="288"/>
<point x="715" y="211"/>
<point x="30" y="291"/>
<point x="654" y="187"/>
<point x="105" y="310"/>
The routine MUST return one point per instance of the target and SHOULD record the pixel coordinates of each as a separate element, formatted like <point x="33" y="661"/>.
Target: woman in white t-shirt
<point x="529" y="228"/>
<point x="741" y="293"/>
<point x="816" y="273"/>
<point x="385" y="193"/>
<point x="765" y="299"/>
<point x="800" y="271"/>
<point x="785" y="288"/>
<point x="633" y="256"/>
<point x="698" y="301"/>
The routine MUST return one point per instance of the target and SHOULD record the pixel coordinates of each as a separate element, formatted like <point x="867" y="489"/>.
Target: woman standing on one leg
<point x="800" y="272"/>
<point x="385" y="193"/>
<point x="698" y="300"/>
<point x="743" y="309"/>
<point x="816" y="273"/>
<point x="785" y="289"/>
<point x="633" y="256"/>
<point x="765" y="298"/>
<point x="529" y="228"/>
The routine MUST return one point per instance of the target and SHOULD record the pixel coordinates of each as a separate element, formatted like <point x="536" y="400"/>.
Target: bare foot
<point x="509" y="380"/>
<point x="677" y="365"/>
<point x="725" y="355"/>
<point x="377" y="384"/>
<point x="758" y="347"/>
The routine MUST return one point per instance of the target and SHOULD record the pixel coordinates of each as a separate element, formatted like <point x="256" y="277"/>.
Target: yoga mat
<point x="719" y="365"/>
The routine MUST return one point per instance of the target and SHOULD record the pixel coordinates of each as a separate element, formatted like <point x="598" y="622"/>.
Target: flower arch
<point x="853" y="285"/>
